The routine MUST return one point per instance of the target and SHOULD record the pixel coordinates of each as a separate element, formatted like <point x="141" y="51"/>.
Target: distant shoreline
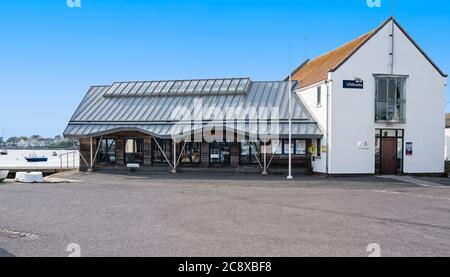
<point x="38" y="148"/>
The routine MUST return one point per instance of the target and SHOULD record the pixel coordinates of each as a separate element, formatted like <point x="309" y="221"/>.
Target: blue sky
<point x="50" y="54"/>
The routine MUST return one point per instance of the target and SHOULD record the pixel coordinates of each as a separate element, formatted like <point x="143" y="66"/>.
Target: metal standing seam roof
<point x="149" y="106"/>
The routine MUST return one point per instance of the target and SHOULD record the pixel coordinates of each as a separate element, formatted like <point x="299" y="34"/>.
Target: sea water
<point x="16" y="159"/>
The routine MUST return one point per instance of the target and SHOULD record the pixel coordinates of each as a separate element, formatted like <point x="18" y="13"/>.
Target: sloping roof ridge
<point x="419" y="48"/>
<point x="274" y="81"/>
<point x="297" y="69"/>
<point x="367" y="36"/>
<point x="98" y="86"/>
<point x="315" y="70"/>
<point x="308" y="61"/>
<point x="177" y="80"/>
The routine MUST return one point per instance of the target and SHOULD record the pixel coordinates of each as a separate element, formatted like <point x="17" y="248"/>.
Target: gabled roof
<point x="142" y="106"/>
<point x="316" y="70"/>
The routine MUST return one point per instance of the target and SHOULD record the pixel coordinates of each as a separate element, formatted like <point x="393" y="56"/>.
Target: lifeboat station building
<point x="372" y="106"/>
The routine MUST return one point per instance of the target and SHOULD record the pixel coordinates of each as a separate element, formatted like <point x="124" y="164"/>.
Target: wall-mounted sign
<point x="354" y="84"/>
<point x="312" y="150"/>
<point x="363" y="145"/>
<point x="409" y="149"/>
<point x="324" y="149"/>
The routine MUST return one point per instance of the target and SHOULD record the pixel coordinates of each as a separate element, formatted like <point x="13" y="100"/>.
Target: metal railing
<point x="65" y="157"/>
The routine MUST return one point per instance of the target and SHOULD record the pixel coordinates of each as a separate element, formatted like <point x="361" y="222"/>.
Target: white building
<point x="447" y="137"/>
<point x="379" y="101"/>
<point x="22" y="144"/>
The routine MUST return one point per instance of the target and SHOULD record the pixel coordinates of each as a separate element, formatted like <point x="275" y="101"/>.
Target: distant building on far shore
<point x="37" y="142"/>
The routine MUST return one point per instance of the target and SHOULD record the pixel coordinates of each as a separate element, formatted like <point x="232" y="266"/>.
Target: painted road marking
<point x="17" y="235"/>
<point x="414" y="181"/>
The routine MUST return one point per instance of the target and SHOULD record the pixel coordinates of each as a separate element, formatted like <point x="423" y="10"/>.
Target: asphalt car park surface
<point x="225" y="215"/>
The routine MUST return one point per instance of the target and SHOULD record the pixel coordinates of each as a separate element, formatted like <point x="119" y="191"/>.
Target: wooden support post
<point x="91" y="165"/>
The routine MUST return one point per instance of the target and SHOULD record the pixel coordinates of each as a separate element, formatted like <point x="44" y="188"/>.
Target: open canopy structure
<point x="228" y="122"/>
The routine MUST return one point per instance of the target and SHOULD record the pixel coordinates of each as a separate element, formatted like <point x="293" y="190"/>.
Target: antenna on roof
<point x="393" y="8"/>
<point x="392" y="37"/>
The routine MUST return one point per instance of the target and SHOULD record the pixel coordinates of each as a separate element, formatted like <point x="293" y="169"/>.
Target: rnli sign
<point x="353" y="84"/>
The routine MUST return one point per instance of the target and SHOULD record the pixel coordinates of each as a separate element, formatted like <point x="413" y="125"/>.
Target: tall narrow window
<point x="319" y="147"/>
<point x="191" y="153"/>
<point x="277" y="147"/>
<point x="390" y="99"/>
<point x="159" y="156"/>
<point x="219" y="153"/>
<point x="249" y="152"/>
<point x="300" y="147"/>
<point x="319" y="96"/>
<point x="286" y="150"/>
<point x="106" y="151"/>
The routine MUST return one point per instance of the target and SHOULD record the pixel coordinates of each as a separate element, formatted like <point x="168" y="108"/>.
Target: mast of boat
<point x="3" y="137"/>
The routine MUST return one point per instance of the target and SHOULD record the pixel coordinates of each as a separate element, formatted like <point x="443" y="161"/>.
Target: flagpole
<point x="290" y="127"/>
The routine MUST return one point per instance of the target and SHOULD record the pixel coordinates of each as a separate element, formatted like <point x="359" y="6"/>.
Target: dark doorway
<point x="134" y="151"/>
<point x="389" y="151"/>
<point x="388" y="156"/>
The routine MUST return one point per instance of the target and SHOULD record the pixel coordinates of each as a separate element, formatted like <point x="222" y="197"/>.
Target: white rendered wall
<point x="353" y="110"/>
<point x="309" y="98"/>
<point x="447" y="144"/>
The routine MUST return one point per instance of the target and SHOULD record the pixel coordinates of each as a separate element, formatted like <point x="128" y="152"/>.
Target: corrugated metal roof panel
<point x="137" y="108"/>
<point x="174" y="87"/>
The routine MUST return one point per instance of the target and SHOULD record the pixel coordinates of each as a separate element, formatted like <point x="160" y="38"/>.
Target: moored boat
<point x="3" y="152"/>
<point x="33" y="158"/>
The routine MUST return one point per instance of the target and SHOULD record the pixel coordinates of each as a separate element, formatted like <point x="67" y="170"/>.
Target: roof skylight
<point x="179" y="87"/>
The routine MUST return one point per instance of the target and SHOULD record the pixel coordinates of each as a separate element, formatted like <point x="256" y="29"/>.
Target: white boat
<point x="3" y="152"/>
<point x="3" y="174"/>
<point x="33" y="158"/>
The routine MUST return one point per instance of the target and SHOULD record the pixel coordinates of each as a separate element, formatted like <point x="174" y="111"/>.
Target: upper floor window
<point x="319" y="96"/>
<point x="390" y="98"/>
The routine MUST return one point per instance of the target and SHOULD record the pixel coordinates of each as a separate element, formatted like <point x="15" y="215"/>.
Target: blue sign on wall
<point x="353" y="84"/>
